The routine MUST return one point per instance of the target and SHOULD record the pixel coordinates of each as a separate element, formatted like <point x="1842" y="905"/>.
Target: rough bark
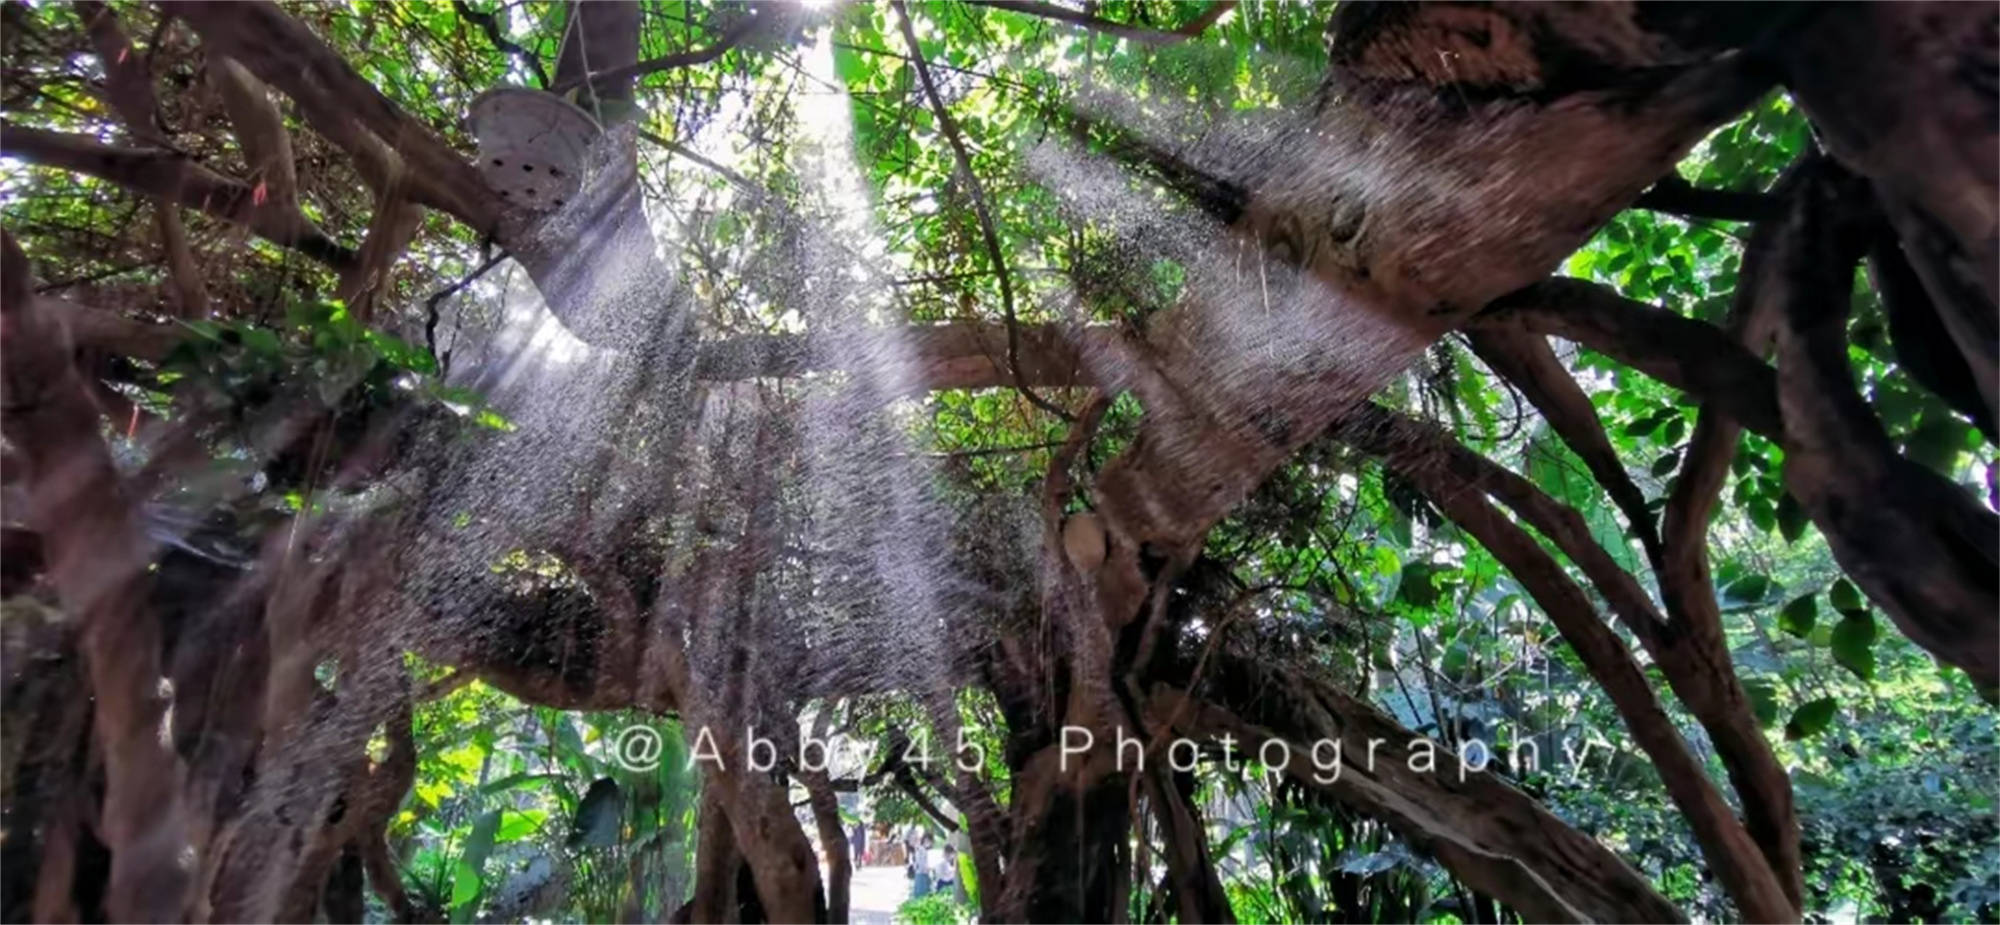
<point x="1503" y="161"/>
<point x="1488" y="834"/>
<point x="97" y="559"/>
<point x="1690" y="648"/>
<point x="339" y="103"/>
<point x="1921" y="547"/>
<point x="1690" y="355"/>
<point x="1693" y="647"/>
<point x="1903" y="94"/>
<point x="1733" y="856"/>
<point x="173" y="178"/>
<point x="716" y="862"/>
<point x="832" y="842"/>
<point x="1526" y="361"/>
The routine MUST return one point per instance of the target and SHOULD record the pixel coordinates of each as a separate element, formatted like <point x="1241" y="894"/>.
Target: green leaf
<point x="1666" y="464"/>
<point x="512" y="781"/>
<point x="1456" y="661"/>
<point x="519" y="825"/>
<point x="401" y="353"/>
<point x="259" y="340"/>
<point x="1749" y="589"/>
<point x="1799" y="616"/>
<point x="1560" y="472"/>
<point x="1762" y="513"/>
<point x="1416" y="589"/>
<point x="459" y="395"/>
<point x="1936" y="443"/>
<point x="464" y="885"/>
<point x="1853" y="643"/>
<point x="1811" y="719"/>
<point x="1676" y="428"/>
<point x="1845" y="597"/>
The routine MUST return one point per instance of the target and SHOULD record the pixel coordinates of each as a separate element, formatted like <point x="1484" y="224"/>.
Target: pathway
<point x="875" y="894"/>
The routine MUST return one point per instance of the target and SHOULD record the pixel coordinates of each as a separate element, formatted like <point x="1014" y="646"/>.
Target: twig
<point x="985" y="216"/>
<point x="738" y="180"/>
<point x="992" y="451"/>
<point x="1140" y="34"/>
<point x="490" y="24"/>
<point x="729" y="40"/>
<point x="431" y="304"/>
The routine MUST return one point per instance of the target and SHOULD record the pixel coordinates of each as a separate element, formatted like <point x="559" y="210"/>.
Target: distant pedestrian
<point x="945" y="875"/>
<point x="920" y="861"/>
<point x="858" y="842"/>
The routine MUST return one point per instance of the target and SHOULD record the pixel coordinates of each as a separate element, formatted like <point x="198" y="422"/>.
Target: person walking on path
<point x="944" y="873"/>
<point x="920" y="861"/>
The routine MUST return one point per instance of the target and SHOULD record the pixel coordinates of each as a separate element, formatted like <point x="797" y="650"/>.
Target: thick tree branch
<point x="1696" y="637"/>
<point x="1689" y="355"/>
<point x="1676" y="196"/>
<point x="1690" y="650"/>
<point x="1923" y="343"/>
<point x="1734" y="857"/>
<point x="260" y="130"/>
<point x="129" y="84"/>
<point x="340" y="103"/>
<point x="98" y="563"/>
<point x="1878" y="511"/>
<point x="1382" y="271"/>
<point x="959" y="355"/>
<point x="1902" y="93"/>
<point x="390" y="230"/>
<point x="1920" y="546"/>
<point x="1525" y="360"/>
<point x="189" y="290"/>
<point x="175" y="178"/>
<point x="1487" y="833"/>
<point x="832" y="841"/>
<point x="977" y="192"/>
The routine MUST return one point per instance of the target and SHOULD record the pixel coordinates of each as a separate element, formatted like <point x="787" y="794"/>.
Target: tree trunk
<point x="832" y="842"/>
<point x="98" y="563"/>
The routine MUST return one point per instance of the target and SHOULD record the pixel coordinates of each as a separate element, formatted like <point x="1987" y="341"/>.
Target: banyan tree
<point x="1199" y="447"/>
